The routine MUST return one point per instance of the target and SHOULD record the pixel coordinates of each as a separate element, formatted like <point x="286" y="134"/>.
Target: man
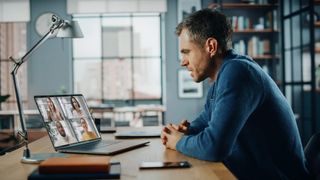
<point x="246" y="123"/>
<point x="63" y="138"/>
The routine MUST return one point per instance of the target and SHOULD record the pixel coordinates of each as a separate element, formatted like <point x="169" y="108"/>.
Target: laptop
<point x="71" y="127"/>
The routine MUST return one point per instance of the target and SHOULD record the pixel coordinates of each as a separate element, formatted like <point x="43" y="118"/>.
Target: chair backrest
<point x="8" y="142"/>
<point x="312" y="153"/>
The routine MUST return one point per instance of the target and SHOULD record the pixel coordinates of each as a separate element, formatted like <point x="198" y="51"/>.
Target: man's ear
<point x="212" y="46"/>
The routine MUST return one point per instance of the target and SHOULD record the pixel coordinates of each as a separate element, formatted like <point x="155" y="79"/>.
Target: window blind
<point x="14" y="11"/>
<point x="115" y="6"/>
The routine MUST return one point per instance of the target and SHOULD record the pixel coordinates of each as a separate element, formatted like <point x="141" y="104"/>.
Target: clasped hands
<point x="172" y="133"/>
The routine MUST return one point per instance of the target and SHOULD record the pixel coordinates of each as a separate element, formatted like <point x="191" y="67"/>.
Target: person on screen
<point x="246" y="122"/>
<point x="53" y="112"/>
<point x="62" y="137"/>
<point x="86" y="135"/>
<point x="76" y="108"/>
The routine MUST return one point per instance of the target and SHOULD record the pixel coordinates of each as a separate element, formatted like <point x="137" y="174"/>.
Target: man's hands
<point x="172" y="133"/>
<point x="182" y="127"/>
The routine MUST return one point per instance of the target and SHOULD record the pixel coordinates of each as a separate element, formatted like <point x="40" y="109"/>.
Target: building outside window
<point x="119" y="59"/>
<point x="12" y="43"/>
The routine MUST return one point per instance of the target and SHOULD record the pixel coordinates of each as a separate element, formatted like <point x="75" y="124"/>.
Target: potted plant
<point x="4" y="98"/>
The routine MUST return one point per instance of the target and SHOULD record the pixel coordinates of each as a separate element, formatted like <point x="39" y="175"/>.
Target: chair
<point x="8" y="142"/>
<point x="312" y="153"/>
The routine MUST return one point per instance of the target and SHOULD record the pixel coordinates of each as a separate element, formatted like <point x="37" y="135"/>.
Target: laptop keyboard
<point x="94" y="145"/>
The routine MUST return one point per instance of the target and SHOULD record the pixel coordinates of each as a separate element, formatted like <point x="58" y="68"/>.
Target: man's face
<point x="61" y="130"/>
<point x="194" y="58"/>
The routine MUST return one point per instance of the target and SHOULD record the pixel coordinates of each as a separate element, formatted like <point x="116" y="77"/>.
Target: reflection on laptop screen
<point x="67" y="119"/>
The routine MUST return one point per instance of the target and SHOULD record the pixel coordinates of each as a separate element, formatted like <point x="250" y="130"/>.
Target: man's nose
<point x="183" y="62"/>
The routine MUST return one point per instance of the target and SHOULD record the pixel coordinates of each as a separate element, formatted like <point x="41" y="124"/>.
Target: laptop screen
<point x="67" y="119"/>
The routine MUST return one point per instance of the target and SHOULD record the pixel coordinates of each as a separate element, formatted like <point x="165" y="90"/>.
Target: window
<point x="12" y="43"/>
<point x="119" y="58"/>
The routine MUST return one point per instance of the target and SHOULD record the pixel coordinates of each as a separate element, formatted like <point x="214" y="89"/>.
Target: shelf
<point x="317" y="24"/>
<point x="256" y="31"/>
<point x="243" y="6"/>
<point x="254" y="26"/>
<point x="317" y="90"/>
<point x="316" y="50"/>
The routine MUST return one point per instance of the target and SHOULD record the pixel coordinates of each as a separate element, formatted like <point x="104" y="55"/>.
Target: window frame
<point x="124" y="102"/>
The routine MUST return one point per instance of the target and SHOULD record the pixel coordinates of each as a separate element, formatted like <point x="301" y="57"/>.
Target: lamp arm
<point x="20" y="108"/>
<point x="17" y="63"/>
<point x="57" y="24"/>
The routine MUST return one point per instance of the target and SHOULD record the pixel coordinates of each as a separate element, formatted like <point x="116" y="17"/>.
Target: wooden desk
<point x="11" y="168"/>
<point x="137" y="112"/>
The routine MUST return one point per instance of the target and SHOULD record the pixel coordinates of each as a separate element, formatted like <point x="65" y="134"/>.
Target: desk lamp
<point x="59" y="28"/>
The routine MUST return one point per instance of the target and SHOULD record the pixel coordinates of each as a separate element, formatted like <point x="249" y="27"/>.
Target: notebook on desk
<point x="113" y="173"/>
<point x="71" y="127"/>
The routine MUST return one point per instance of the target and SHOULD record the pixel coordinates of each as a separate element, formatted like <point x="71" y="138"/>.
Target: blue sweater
<point x="247" y="124"/>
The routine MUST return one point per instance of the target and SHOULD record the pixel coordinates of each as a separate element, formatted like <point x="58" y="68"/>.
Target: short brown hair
<point x="207" y="23"/>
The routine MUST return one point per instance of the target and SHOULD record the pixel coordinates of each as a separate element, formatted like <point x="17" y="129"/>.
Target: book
<point x="113" y="173"/>
<point x="75" y="164"/>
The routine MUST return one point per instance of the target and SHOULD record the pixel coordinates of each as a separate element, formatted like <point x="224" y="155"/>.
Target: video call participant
<point x="53" y="113"/>
<point x="63" y="138"/>
<point x="86" y="135"/>
<point x="76" y="108"/>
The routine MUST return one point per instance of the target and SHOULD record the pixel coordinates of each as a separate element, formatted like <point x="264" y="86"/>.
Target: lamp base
<point x="37" y="158"/>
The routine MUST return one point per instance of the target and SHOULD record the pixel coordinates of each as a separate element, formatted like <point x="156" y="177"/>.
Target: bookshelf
<point x="316" y="71"/>
<point x="250" y="31"/>
<point x="317" y="31"/>
<point x="317" y="24"/>
<point x="242" y="5"/>
<point x="255" y="31"/>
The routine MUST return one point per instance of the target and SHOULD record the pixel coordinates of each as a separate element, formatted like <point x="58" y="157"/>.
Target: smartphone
<point x="161" y="165"/>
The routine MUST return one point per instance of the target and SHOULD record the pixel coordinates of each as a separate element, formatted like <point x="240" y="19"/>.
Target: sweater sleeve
<point x="198" y="124"/>
<point x="239" y="93"/>
<point x="202" y="120"/>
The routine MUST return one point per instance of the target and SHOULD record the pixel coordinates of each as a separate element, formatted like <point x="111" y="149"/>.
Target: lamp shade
<point x="70" y="30"/>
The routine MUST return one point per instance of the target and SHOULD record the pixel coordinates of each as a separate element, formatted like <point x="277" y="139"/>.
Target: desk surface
<point x="11" y="168"/>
